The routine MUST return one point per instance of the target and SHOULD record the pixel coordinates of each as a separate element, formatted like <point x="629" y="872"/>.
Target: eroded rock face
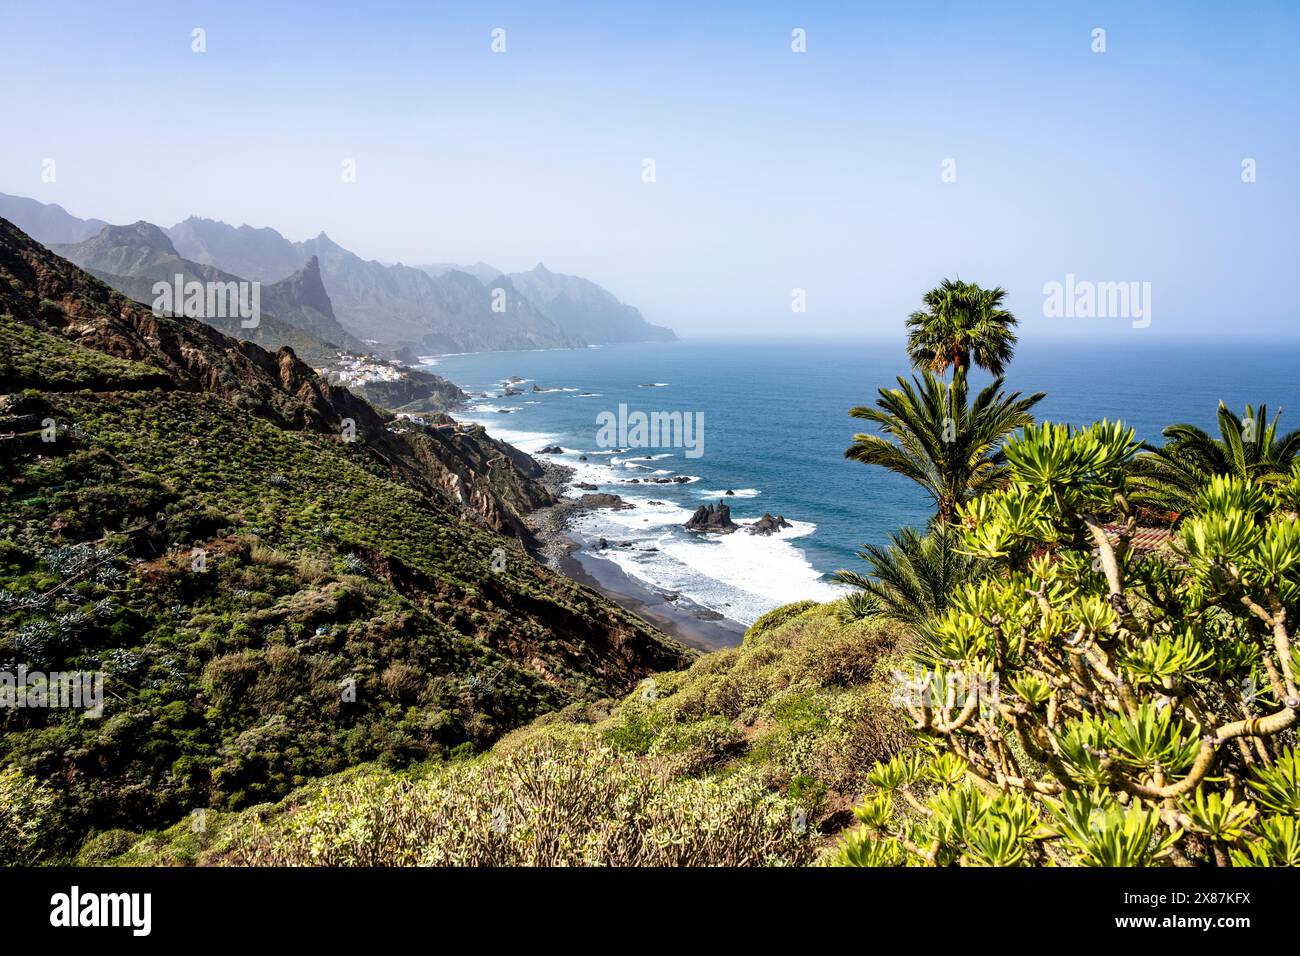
<point x="768" y="524"/>
<point x="711" y="519"/>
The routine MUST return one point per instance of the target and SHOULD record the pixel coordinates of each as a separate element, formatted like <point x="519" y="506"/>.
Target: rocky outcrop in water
<point x="709" y="518"/>
<point x="768" y="524"/>
<point x="604" y="500"/>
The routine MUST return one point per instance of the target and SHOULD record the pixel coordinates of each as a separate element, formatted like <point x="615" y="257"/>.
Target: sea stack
<point x="708" y="518"/>
<point x="768" y="524"/>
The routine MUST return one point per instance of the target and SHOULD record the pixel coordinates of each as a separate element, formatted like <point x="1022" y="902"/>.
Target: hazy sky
<point x="774" y="170"/>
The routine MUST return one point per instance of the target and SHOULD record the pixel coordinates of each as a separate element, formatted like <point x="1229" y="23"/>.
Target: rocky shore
<point x="690" y="623"/>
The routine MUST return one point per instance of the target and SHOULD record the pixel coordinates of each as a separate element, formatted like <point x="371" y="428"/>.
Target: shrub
<point x="775" y="618"/>
<point x="1092" y="705"/>
<point x="26" y="817"/>
<point x="691" y="749"/>
<point x="103" y="847"/>
<point x="550" y="805"/>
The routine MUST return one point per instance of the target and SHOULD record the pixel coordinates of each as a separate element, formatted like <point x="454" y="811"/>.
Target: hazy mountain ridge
<point x="479" y="270"/>
<point x="585" y="309"/>
<point x="403" y="306"/>
<point x="262" y="254"/>
<point x="47" y="222"/>
<point x="438" y="307"/>
<point x="295" y="312"/>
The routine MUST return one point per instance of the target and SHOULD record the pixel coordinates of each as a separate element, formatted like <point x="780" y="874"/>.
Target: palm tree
<point x="1169" y="477"/>
<point x="910" y="580"/>
<point x="961" y="323"/>
<point x="952" y="450"/>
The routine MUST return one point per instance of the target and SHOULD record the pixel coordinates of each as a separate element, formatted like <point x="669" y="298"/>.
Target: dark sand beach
<point x="688" y="622"/>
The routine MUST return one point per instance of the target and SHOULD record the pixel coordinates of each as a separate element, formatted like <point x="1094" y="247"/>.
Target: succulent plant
<point x="1142" y="703"/>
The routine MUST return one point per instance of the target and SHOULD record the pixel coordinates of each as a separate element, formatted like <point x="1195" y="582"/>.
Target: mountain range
<point x="295" y="311"/>
<point x="402" y="309"/>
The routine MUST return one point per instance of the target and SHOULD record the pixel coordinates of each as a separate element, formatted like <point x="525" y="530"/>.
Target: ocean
<point x="775" y="426"/>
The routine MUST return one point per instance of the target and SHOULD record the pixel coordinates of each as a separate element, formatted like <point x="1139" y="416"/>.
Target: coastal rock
<point x="537" y="388"/>
<point x="551" y="450"/>
<point x="512" y="391"/>
<point x="708" y="518"/>
<point x="602" y="544"/>
<point x="730" y="492"/>
<point x="514" y="380"/>
<point x="604" y="500"/>
<point x="768" y="524"/>
<point x="582" y="458"/>
<point x="586" y="486"/>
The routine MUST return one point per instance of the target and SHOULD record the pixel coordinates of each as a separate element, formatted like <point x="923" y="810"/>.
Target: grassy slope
<point x="227" y="685"/>
<point x="750" y="741"/>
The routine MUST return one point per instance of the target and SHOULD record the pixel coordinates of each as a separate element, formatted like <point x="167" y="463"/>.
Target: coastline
<point x="704" y="595"/>
<point x="695" y="626"/>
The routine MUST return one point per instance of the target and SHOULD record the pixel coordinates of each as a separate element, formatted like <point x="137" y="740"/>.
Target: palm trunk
<point x="960" y="363"/>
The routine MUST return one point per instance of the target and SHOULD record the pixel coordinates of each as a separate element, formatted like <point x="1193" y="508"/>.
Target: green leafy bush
<point x="1092" y="704"/>
<point x="26" y="810"/>
<point x="578" y="804"/>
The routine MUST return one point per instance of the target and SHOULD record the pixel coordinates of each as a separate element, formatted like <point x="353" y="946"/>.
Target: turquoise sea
<point x="775" y="426"/>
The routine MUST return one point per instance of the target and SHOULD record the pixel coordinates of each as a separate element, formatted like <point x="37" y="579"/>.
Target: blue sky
<point x="774" y="170"/>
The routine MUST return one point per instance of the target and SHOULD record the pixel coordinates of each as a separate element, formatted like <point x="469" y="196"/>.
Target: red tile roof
<point x="1143" y="538"/>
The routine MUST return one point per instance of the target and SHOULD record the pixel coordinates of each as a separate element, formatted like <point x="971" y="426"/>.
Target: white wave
<point x="739" y="575"/>
<point x="640" y="457"/>
<point x="642" y="516"/>
<point x="735" y="493"/>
